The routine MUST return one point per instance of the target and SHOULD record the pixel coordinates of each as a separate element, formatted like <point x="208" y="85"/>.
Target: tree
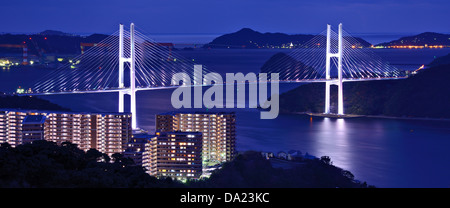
<point x="326" y="160"/>
<point x="93" y="155"/>
<point x="348" y="174"/>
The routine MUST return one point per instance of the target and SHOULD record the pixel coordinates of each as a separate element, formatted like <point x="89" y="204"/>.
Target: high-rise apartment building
<point x="33" y="128"/>
<point x="218" y="130"/>
<point x="174" y="154"/>
<point x="11" y="127"/>
<point x="149" y="156"/>
<point x="106" y="132"/>
<point x="135" y="148"/>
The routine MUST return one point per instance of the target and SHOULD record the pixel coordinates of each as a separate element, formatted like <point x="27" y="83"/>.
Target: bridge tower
<point x="132" y="60"/>
<point x="330" y="81"/>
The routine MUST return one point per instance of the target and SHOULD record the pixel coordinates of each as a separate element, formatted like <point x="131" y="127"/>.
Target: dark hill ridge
<point x="28" y="102"/>
<point x="48" y="41"/>
<point x="281" y="61"/>
<point x="428" y="38"/>
<point x="54" y="32"/>
<point x="248" y="38"/>
<point x="422" y="95"/>
<point x="443" y="60"/>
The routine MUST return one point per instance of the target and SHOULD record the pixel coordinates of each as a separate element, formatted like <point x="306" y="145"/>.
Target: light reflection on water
<point x="383" y="152"/>
<point x="332" y="137"/>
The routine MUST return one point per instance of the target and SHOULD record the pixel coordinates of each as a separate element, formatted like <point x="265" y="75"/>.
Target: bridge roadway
<point x="176" y="86"/>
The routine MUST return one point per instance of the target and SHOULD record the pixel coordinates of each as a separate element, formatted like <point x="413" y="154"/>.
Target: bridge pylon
<point x="330" y="81"/>
<point x="131" y="90"/>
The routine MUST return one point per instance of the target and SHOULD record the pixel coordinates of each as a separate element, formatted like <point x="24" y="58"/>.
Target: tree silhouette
<point x="46" y="164"/>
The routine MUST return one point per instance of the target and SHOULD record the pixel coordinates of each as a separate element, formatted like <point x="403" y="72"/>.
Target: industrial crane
<point x="24" y="49"/>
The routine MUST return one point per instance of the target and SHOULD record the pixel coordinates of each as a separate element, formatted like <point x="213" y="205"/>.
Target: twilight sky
<point x="224" y="16"/>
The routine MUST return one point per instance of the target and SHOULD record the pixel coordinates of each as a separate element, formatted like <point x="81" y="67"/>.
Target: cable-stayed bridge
<point x="129" y="61"/>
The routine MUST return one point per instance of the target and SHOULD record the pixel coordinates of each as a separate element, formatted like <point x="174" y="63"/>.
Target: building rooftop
<point x="60" y="112"/>
<point x="34" y="119"/>
<point x="196" y="112"/>
<point x="180" y="132"/>
<point x="143" y="136"/>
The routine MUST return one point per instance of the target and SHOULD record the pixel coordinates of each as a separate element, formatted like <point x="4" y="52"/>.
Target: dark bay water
<point x="383" y="152"/>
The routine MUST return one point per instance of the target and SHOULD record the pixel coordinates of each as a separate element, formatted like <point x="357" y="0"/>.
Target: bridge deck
<point x="172" y="87"/>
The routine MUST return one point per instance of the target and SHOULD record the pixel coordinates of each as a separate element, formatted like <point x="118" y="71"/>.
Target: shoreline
<point x="378" y="116"/>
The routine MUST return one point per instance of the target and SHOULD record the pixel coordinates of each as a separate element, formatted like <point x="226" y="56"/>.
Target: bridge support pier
<point x="329" y="81"/>
<point x="121" y="101"/>
<point x="327" y="97"/>
<point x="132" y="89"/>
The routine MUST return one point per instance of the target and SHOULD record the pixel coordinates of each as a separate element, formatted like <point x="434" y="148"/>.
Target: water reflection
<point x="332" y="139"/>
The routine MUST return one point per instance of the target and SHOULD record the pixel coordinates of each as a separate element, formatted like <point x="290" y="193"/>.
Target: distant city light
<point x="417" y="46"/>
<point x="20" y="90"/>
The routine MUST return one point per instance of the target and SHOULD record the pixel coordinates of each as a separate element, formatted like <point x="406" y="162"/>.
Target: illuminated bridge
<point x="128" y="61"/>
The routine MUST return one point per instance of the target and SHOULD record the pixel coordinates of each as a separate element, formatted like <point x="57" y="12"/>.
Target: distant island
<point x="421" y="95"/>
<point x="423" y="40"/>
<point x="48" y="41"/>
<point x="248" y="38"/>
<point x="57" y="42"/>
<point x="55" y="32"/>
